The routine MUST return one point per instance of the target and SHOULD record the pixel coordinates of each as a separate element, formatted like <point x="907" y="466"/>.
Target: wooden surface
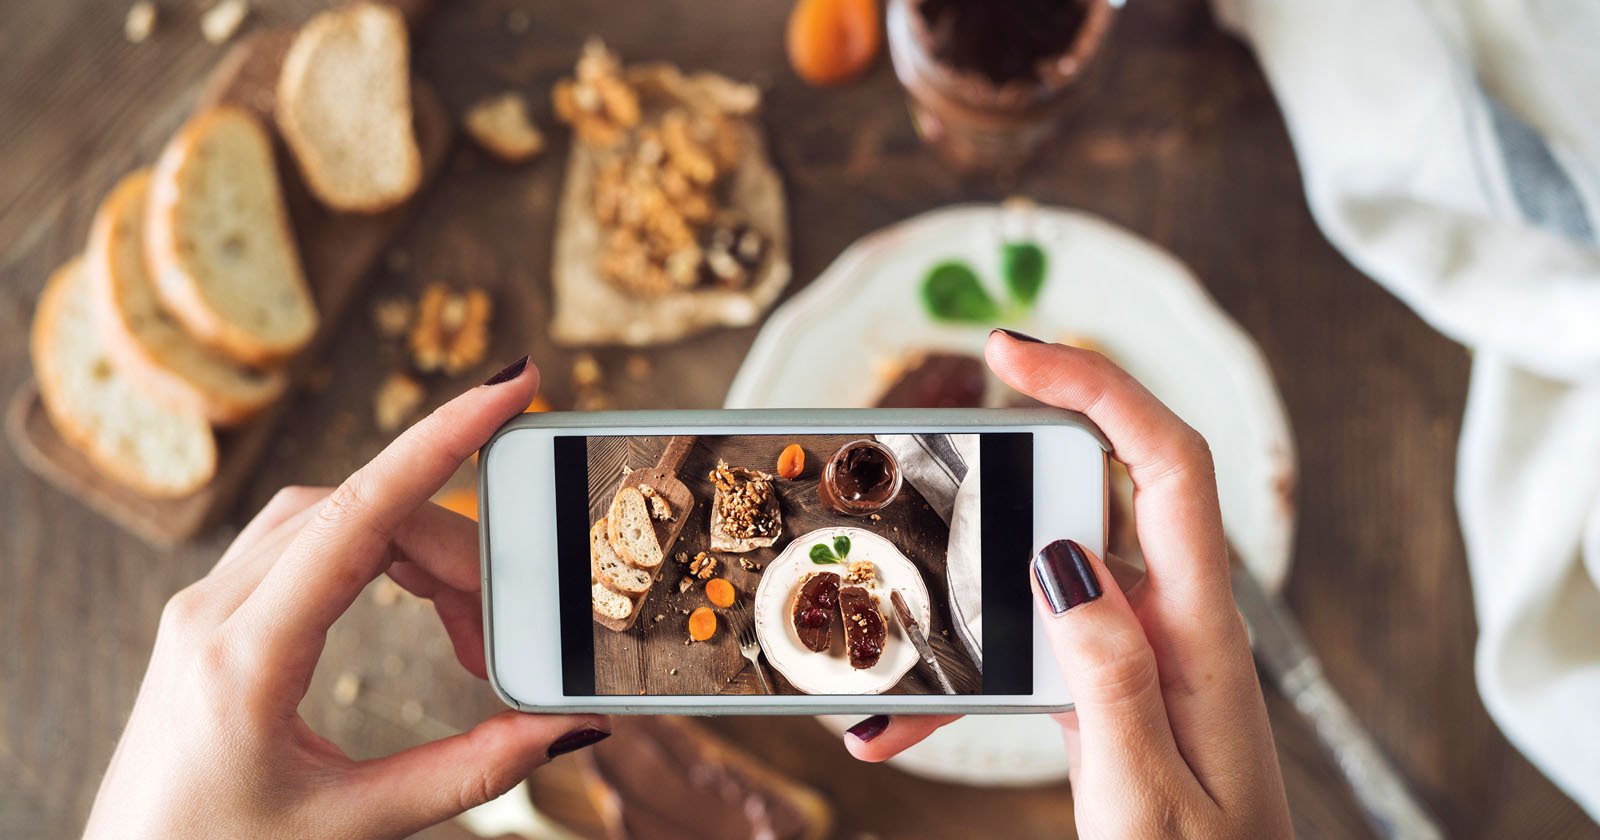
<point x="337" y="251"/>
<point x="1182" y="144"/>
<point x="651" y="657"/>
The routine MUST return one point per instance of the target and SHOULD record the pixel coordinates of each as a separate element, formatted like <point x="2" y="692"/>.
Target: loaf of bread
<point x="142" y="340"/>
<point x="218" y="242"/>
<point x="344" y="107"/>
<point x="612" y="570"/>
<point x="152" y="447"/>
<point x="631" y="531"/>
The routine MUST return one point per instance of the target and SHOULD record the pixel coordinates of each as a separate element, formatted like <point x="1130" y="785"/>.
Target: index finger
<point x="1175" y="488"/>
<point x="346" y="544"/>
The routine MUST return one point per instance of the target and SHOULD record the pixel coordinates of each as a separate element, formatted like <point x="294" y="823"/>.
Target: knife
<point x="1284" y="654"/>
<point x="903" y="612"/>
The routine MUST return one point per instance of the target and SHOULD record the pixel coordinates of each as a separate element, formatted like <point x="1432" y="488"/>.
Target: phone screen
<point x="790" y="547"/>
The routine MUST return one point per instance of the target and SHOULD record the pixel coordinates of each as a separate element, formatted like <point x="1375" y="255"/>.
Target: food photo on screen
<point x="784" y="564"/>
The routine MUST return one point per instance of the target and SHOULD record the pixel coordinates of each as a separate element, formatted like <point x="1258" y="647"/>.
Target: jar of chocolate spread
<point x="990" y="80"/>
<point x="861" y="478"/>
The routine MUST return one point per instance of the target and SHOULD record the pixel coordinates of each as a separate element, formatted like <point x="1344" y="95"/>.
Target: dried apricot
<point x="538" y="404"/>
<point x="702" y="624"/>
<point x="791" y="461"/>
<point x="833" y="41"/>
<point x="720" y="592"/>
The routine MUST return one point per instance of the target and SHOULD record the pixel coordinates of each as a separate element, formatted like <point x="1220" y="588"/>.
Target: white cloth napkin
<point x="1451" y="150"/>
<point x="944" y="469"/>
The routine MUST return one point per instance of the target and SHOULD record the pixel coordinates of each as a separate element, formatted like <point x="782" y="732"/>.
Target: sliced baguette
<point x="218" y="242"/>
<point x="156" y="449"/>
<point x="631" y="532"/>
<point x="611" y="608"/>
<point x="612" y="570"/>
<point x="144" y="342"/>
<point x="344" y="106"/>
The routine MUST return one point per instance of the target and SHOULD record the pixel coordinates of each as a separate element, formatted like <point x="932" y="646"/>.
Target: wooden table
<point x="651" y="657"/>
<point x="1182" y="144"/>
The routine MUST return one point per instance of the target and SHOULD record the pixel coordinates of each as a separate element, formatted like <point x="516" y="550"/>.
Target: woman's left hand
<point x="216" y="746"/>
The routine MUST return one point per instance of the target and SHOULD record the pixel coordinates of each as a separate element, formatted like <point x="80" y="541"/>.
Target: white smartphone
<point x="780" y="561"/>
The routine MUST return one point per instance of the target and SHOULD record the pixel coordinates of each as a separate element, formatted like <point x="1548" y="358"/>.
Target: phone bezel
<point x="792" y="421"/>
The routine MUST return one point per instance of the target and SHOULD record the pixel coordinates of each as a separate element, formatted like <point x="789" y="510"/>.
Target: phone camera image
<point x="809" y="564"/>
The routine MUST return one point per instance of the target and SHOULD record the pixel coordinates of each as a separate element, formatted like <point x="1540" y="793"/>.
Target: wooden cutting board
<point x="664" y="478"/>
<point x="338" y="251"/>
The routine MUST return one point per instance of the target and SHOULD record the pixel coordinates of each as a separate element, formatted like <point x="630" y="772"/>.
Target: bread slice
<point x="612" y="570"/>
<point x="344" y="106"/>
<point x="218" y="242"/>
<point x="631" y="532"/>
<point x="142" y="340"/>
<point x="501" y="125"/>
<point x="134" y="439"/>
<point x="612" y="608"/>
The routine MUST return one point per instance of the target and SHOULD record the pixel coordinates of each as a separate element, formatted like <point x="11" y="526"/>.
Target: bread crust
<point x="41" y="342"/>
<point x="297" y="64"/>
<point x="138" y="359"/>
<point x="184" y="295"/>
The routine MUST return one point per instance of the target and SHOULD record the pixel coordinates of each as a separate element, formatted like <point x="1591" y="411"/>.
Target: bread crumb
<point x="392" y="317"/>
<point x="502" y="126"/>
<point x="672" y="672"/>
<point x="875" y="518"/>
<point x="140" y="22"/>
<point x="397" y="400"/>
<point x="222" y="21"/>
<point x="346" y="688"/>
<point x="684" y="583"/>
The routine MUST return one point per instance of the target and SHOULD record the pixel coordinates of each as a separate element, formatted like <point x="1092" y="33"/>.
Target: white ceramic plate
<point x="830" y="672"/>
<point x="1134" y="300"/>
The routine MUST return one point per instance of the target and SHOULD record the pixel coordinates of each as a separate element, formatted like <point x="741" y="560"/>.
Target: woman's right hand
<point x="1169" y="734"/>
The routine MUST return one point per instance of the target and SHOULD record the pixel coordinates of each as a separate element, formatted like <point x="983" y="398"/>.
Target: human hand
<point x="215" y="746"/>
<point x="1169" y="734"/>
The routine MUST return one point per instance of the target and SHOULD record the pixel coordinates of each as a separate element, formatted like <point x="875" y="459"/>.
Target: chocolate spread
<point x="938" y="380"/>
<point x="864" y="627"/>
<point x="813" y="610"/>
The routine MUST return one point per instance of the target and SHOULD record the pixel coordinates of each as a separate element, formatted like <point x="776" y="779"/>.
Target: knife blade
<point x="903" y="613"/>
<point x="1284" y="654"/>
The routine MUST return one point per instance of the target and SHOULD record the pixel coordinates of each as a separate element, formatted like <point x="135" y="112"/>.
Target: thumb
<point x="1106" y="661"/>
<point x="429" y="784"/>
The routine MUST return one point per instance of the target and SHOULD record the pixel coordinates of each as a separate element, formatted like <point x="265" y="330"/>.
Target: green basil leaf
<point x="822" y="555"/>
<point x="952" y="292"/>
<point x="1024" y="266"/>
<point x="841" y="546"/>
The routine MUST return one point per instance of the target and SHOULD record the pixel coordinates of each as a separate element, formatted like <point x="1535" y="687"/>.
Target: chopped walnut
<point x="684" y="584"/>
<point x="744" y="563"/>
<point x="396" y="401"/>
<point x="597" y="102"/>
<point x="704" y="566"/>
<point x="450" y="332"/>
<point x="681" y="557"/>
<point x="744" y="501"/>
<point x="860" y="573"/>
<point x="220" y="22"/>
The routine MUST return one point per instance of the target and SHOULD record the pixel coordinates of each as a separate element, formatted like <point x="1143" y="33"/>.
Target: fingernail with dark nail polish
<point x="1019" y="336"/>
<point x="1065" y="576"/>
<point x="509" y="372"/>
<point x="870" y="728"/>
<point x="577" y="740"/>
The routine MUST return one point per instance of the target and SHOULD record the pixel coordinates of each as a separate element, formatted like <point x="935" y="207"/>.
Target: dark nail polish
<point x="1065" y="576"/>
<point x="1019" y="336"/>
<point x="509" y="372"/>
<point x="577" y="740"/>
<point x="870" y="728"/>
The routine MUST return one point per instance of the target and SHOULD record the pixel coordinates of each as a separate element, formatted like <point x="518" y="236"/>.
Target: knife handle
<point x="1390" y="806"/>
